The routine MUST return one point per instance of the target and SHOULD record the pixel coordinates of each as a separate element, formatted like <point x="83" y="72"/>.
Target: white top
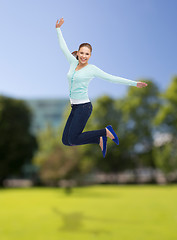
<point x="79" y="101"/>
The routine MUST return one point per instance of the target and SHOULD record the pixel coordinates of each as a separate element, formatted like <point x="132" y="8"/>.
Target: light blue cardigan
<point x="79" y="80"/>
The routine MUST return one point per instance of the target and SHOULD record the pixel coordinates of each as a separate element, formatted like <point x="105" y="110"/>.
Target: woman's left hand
<point x="141" y="84"/>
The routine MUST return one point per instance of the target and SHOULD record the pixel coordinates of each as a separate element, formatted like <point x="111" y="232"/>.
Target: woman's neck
<point x="82" y="65"/>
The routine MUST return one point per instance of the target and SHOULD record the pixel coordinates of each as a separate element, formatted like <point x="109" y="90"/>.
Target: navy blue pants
<point x="73" y="132"/>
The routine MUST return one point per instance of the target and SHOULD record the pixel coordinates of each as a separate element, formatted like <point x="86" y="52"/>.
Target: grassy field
<point x="99" y="212"/>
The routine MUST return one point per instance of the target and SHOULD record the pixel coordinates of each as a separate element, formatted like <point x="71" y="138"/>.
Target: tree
<point x="54" y="160"/>
<point x="139" y="108"/>
<point x="166" y="160"/>
<point x="105" y="112"/>
<point x="167" y="116"/>
<point x="17" y="144"/>
<point x="166" y="120"/>
<point x="131" y="117"/>
<point x="60" y="164"/>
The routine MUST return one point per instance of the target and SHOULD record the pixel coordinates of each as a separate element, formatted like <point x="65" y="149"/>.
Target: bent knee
<point x="72" y="140"/>
<point x="65" y="142"/>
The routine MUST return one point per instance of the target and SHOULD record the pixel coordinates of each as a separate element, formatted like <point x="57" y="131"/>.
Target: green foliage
<point x="17" y="145"/>
<point x="104" y="113"/>
<point x="164" y="158"/>
<point x="47" y="141"/>
<point x="171" y="92"/>
<point x="139" y="108"/>
<point x="166" y="155"/>
<point x="132" y="119"/>
<point x="167" y="113"/>
<point x="58" y="165"/>
<point x="55" y="160"/>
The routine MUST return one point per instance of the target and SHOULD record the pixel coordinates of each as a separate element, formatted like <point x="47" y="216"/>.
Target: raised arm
<point x="115" y="79"/>
<point x="62" y="43"/>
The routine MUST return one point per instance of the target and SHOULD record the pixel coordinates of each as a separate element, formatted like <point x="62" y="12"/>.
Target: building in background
<point x="46" y="111"/>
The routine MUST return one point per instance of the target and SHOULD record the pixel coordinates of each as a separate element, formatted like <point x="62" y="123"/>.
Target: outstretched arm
<point x="115" y="79"/>
<point x="62" y="42"/>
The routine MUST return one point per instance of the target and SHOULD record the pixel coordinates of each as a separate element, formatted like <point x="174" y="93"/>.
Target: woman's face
<point x="83" y="55"/>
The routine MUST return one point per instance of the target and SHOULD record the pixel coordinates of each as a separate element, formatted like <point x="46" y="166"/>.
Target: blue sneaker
<point x="115" y="139"/>
<point x="104" y="145"/>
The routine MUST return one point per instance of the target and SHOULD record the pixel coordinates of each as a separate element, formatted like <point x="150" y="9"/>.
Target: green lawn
<point x="99" y="212"/>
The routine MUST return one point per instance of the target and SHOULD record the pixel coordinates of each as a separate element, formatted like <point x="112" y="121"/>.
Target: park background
<point x="49" y="190"/>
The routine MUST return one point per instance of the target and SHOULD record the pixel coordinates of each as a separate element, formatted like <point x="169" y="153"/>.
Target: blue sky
<point x="135" y="39"/>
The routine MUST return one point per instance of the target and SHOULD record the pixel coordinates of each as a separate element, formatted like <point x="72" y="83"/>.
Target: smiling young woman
<point x="79" y="75"/>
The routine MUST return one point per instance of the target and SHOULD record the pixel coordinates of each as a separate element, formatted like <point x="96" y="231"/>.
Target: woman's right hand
<point x="58" y="24"/>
